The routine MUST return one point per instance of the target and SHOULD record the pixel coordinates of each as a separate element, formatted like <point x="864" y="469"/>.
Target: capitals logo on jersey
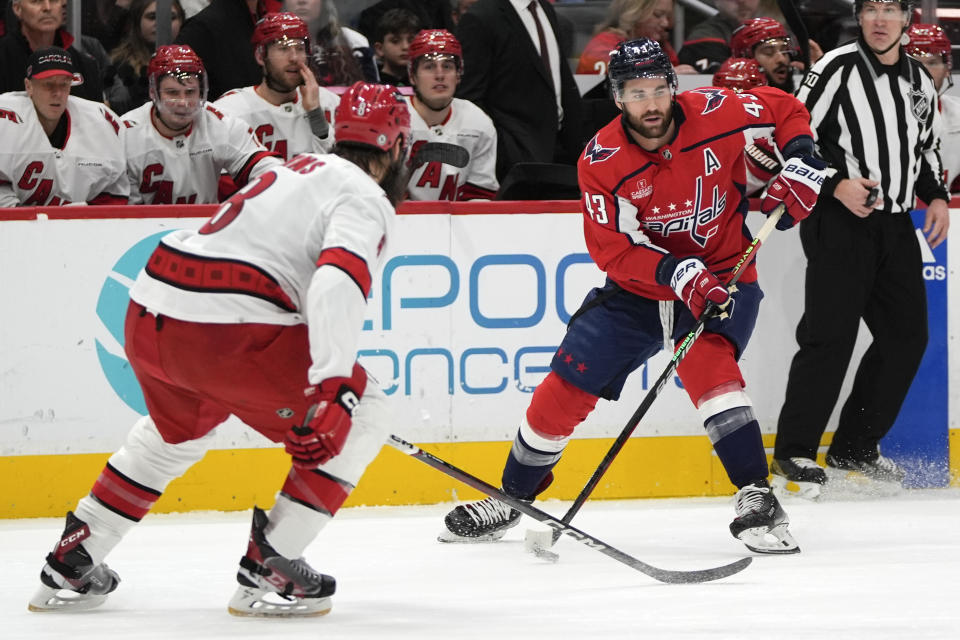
<point x="715" y="98"/>
<point x="596" y="153"/>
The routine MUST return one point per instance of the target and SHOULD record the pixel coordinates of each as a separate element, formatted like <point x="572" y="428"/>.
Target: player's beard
<point x="394" y="180"/>
<point x="277" y="80"/>
<point x="654" y="132"/>
<point x="787" y="84"/>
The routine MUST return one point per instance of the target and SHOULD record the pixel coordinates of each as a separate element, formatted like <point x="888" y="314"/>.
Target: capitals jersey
<point x="283" y="129"/>
<point x="89" y="168"/>
<point x="186" y="169"/>
<point x="297" y="245"/>
<point x="687" y="197"/>
<point x="455" y="160"/>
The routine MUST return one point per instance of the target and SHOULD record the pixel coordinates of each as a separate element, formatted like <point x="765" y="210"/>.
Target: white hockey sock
<point x="293" y="526"/>
<point x="106" y="528"/>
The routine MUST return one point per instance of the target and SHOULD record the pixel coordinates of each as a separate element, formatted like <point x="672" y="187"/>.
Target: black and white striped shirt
<point x="877" y="122"/>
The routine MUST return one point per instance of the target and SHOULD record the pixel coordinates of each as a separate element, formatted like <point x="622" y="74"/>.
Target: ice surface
<point x="872" y="569"/>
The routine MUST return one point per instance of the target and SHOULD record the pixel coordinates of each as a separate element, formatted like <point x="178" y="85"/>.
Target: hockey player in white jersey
<point x="257" y="314"/>
<point x="177" y="145"/>
<point x="288" y="111"/>
<point x="453" y="154"/>
<point x="930" y="45"/>
<point x="58" y="149"/>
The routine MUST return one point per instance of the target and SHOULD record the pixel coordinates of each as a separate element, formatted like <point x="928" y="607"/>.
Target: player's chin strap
<point x="678" y="355"/>
<point x="663" y="575"/>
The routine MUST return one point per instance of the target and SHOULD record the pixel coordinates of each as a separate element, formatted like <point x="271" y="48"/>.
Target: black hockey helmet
<point x="640" y="58"/>
<point x="905" y="5"/>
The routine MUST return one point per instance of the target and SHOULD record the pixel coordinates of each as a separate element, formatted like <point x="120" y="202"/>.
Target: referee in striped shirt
<point x="874" y="112"/>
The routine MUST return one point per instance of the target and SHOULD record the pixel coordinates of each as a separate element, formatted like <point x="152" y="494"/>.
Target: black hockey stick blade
<point x="663" y="575"/>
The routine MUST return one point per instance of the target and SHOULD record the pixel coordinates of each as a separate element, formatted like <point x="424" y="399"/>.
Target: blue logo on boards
<point x="112" y="311"/>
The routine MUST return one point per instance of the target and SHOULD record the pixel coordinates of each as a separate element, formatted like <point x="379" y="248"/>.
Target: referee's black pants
<point x="868" y="268"/>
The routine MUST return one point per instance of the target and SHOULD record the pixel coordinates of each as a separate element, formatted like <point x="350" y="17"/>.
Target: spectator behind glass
<point x="41" y="25"/>
<point x="341" y="56"/>
<point x="708" y="44"/>
<point x="391" y="42"/>
<point x="127" y="85"/>
<point x="626" y="20"/>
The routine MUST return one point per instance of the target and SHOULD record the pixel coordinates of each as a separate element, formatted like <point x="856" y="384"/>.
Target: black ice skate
<point x="881" y="476"/>
<point x="274" y="586"/>
<point x="761" y="523"/>
<point x="798" y="476"/>
<point x="483" y="521"/>
<point x="71" y="582"/>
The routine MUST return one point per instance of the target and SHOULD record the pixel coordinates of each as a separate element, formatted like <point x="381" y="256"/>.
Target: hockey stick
<point x="795" y="21"/>
<point x="657" y="387"/>
<point x="663" y="575"/>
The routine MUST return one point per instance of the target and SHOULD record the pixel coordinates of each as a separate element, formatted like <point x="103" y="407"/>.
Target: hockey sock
<point x="532" y="457"/>
<point x="293" y="526"/>
<point x="735" y="433"/>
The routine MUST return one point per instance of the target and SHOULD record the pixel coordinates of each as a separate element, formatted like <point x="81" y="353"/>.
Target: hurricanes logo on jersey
<point x="596" y="153"/>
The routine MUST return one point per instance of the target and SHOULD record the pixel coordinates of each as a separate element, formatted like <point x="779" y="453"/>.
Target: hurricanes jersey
<point x="186" y="169"/>
<point x="89" y="167"/>
<point x="455" y="160"/>
<point x="283" y="129"/>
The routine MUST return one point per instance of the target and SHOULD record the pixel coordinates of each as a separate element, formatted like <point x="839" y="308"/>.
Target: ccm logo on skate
<point x="75" y="537"/>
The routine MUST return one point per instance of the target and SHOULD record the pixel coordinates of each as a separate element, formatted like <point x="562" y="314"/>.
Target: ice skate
<point x="274" y="586"/>
<point x="761" y="523"/>
<point x="800" y="477"/>
<point x="71" y="582"/>
<point x="879" y="477"/>
<point x="484" y="521"/>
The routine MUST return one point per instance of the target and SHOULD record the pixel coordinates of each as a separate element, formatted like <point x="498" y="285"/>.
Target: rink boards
<point x="461" y="324"/>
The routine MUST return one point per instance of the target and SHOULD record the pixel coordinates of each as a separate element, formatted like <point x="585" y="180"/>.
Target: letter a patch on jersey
<point x="595" y="153"/>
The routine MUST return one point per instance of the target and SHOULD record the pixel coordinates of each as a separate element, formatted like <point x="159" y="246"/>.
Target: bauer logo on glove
<point x="797" y="187"/>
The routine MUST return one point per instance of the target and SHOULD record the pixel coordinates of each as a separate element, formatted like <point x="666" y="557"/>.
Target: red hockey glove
<point x="697" y="287"/>
<point x="797" y="186"/>
<point x="326" y="430"/>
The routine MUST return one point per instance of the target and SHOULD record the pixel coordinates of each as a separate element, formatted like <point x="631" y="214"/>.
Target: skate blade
<point x="782" y="487"/>
<point x="449" y="536"/>
<point x="776" y="540"/>
<point x="248" y="602"/>
<point x="49" y="599"/>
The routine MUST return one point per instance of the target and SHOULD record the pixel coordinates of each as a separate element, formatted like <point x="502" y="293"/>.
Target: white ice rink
<point x="871" y="569"/>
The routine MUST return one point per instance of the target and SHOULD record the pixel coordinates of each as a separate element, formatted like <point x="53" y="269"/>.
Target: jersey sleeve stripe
<point x="244" y="174"/>
<point x="350" y="263"/>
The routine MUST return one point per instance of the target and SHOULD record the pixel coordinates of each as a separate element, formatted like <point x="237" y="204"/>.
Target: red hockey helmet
<point x="740" y="74"/>
<point x="929" y="39"/>
<point x="275" y="27"/>
<point x="179" y="61"/>
<point x="752" y="32"/>
<point x="435" y="43"/>
<point x="372" y="114"/>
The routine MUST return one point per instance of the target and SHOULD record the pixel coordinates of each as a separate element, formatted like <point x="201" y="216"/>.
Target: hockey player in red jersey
<point x="260" y="320"/>
<point x="663" y="215"/>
